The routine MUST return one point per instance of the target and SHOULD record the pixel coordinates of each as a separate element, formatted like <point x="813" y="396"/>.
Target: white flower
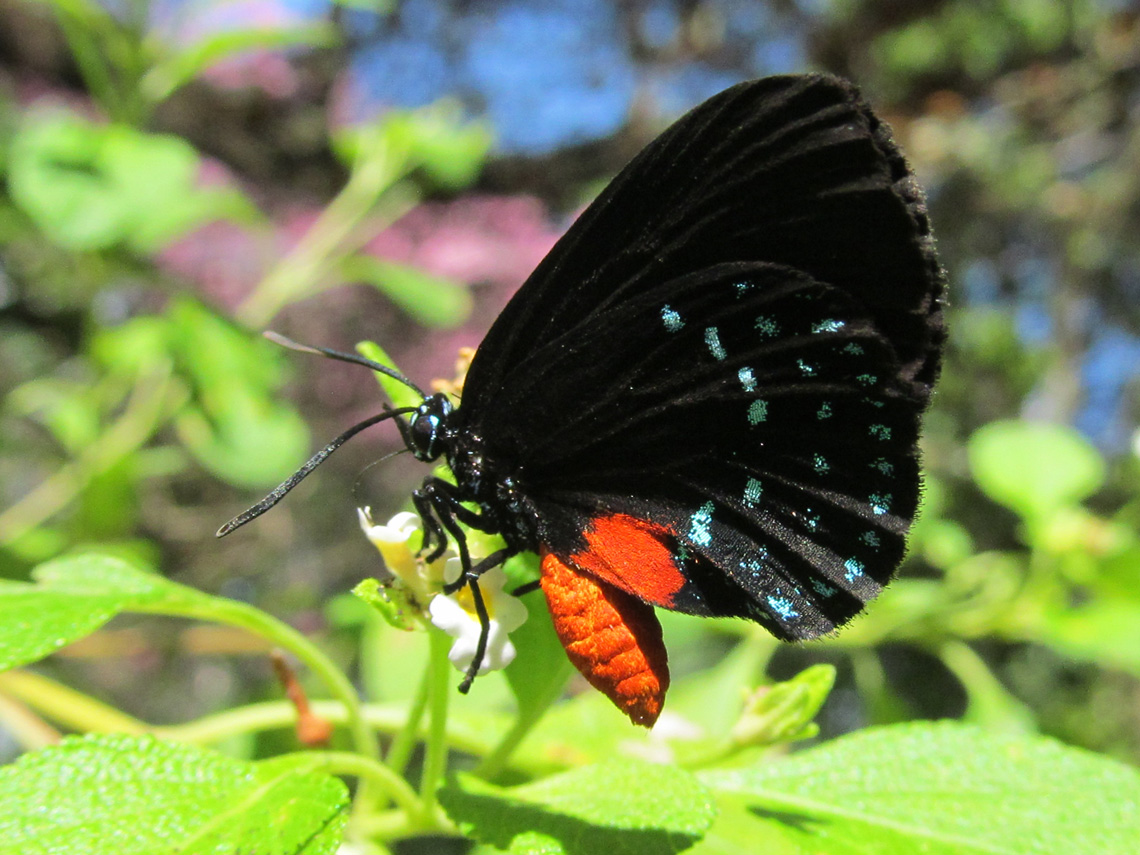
<point x="398" y="547"/>
<point x="455" y="614"/>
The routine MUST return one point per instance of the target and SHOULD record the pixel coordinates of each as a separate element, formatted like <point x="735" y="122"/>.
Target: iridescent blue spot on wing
<point x="867" y="379"/>
<point x="820" y="464"/>
<point x="699" y="525"/>
<point x="824" y="411"/>
<point x="712" y="339"/>
<point x="805" y="368"/>
<point x="885" y="466"/>
<point x="672" y="319"/>
<point x="747" y="379"/>
<point x="753" y="570"/>
<point x="881" y="432"/>
<point x="854" y="349"/>
<point x="767" y="327"/>
<point x="852" y="569"/>
<point x="783" y="607"/>
<point x="811" y="519"/>
<point x="757" y="412"/>
<point x="880" y="503"/>
<point x="753" y="490"/>
<point x="830" y="325"/>
<point x="871" y="538"/>
<point x="742" y="288"/>
<point x="822" y="588"/>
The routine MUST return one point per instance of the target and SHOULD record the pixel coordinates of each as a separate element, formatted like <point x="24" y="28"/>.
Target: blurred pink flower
<point x="224" y="261"/>
<point x="475" y="239"/>
<point x="488" y="242"/>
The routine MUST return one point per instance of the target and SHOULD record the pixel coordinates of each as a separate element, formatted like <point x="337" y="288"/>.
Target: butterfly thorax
<point x="494" y="487"/>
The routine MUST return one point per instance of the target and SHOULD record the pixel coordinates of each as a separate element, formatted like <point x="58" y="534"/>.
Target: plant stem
<point x="401" y="748"/>
<point x="230" y="612"/>
<point x="989" y="703"/>
<point x="439" y="693"/>
<point x="27" y="729"/>
<point x="82" y="33"/>
<point x="300" y="272"/>
<point x="375" y="773"/>
<point x="273" y="715"/>
<point x="67" y="707"/>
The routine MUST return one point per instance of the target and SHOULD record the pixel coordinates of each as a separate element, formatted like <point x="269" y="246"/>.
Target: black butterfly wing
<point x="794" y="170"/>
<point x="732" y="346"/>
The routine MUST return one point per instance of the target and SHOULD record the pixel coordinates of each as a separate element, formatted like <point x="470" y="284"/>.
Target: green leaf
<point x="1034" y="468"/>
<point x="92" y="187"/>
<point x="73" y="597"/>
<point x="434" y="138"/>
<point x="939" y="789"/>
<point x="710" y="697"/>
<point x="431" y="300"/>
<point x="390" y="601"/>
<point x="1105" y="630"/>
<point x="400" y="394"/>
<point x="786" y="711"/>
<point x="55" y="178"/>
<point x="622" y="807"/>
<point x="541" y="669"/>
<point x="235" y="425"/>
<point x="123" y="795"/>
<point x="35" y="623"/>
<point x="450" y="152"/>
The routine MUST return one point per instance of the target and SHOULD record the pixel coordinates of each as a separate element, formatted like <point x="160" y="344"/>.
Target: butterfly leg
<point x="438" y="502"/>
<point x="429" y="513"/>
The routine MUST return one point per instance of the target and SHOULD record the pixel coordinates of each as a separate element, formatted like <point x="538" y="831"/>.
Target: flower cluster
<point x="421" y="586"/>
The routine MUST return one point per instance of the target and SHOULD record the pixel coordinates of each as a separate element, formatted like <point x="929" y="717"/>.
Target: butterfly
<point x="707" y="397"/>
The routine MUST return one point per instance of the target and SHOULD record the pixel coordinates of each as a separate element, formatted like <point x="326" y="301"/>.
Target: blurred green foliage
<point x="135" y="406"/>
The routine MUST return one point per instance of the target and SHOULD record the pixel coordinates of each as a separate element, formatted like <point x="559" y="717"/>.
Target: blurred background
<point x="177" y="176"/>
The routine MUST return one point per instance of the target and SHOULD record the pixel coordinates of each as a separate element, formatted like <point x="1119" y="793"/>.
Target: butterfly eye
<point x="426" y="428"/>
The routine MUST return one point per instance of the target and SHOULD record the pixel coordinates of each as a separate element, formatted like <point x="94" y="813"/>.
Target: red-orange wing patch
<point x="632" y="555"/>
<point x="613" y="638"/>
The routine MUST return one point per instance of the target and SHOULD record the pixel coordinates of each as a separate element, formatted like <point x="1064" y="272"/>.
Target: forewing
<point x="792" y="170"/>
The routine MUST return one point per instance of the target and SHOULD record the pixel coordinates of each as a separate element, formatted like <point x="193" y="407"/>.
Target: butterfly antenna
<point x="297" y="477"/>
<point x="277" y="338"/>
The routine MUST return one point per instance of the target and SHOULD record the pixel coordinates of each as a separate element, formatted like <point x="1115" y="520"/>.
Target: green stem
<point x="274" y="715"/>
<point x="279" y="633"/>
<point x="401" y="750"/>
<point x="25" y="728"/>
<point x="374" y="773"/>
<point x="989" y="703"/>
<point x="494" y="762"/>
<point x="75" y="711"/>
<point x="81" y="31"/>
<point x="439" y="694"/>
<point x="65" y="706"/>
<point x="299" y="274"/>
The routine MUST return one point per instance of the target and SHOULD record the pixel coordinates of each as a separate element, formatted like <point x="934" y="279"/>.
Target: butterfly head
<point x="427" y="427"/>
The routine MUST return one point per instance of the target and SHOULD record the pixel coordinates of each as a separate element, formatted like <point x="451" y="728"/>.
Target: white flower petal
<point x="455" y="614"/>
<point x="448" y="615"/>
<point x="420" y="580"/>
